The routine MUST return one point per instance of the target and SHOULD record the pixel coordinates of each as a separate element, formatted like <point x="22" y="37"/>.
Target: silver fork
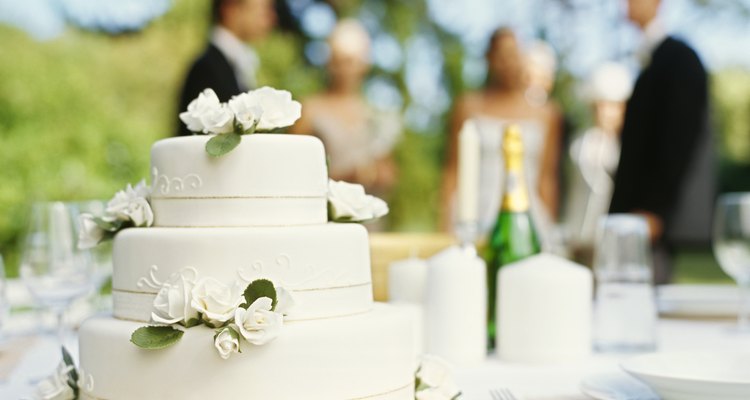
<point x="502" y="394"/>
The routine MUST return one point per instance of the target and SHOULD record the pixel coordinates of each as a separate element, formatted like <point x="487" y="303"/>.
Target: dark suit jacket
<point x="665" y="123"/>
<point x="210" y="70"/>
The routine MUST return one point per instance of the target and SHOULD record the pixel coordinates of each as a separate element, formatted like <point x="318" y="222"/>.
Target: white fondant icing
<point x="358" y="357"/>
<point x="325" y="267"/>
<point x="267" y="180"/>
<point x="238" y="212"/>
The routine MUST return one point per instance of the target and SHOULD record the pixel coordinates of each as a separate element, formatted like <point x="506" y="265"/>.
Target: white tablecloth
<point x="561" y="382"/>
<point x="532" y="382"/>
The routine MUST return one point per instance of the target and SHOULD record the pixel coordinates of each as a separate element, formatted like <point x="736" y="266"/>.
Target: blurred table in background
<point x="388" y="247"/>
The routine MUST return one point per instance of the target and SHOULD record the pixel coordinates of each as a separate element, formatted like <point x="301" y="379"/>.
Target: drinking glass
<point x="53" y="268"/>
<point x="625" y="309"/>
<point x="732" y="247"/>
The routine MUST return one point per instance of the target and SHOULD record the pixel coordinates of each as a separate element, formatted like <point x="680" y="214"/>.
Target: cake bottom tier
<point x="365" y="356"/>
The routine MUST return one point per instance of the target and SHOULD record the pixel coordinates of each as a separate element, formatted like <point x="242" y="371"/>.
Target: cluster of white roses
<point x="129" y="207"/>
<point x="184" y="299"/>
<point x="348" y="202"/>
<point x="56" y="386"/>
<point x="261" y="110"/>
<point x="434" y="380"/>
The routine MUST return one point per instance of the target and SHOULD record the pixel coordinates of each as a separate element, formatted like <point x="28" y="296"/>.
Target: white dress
<point x="492" y="172"/>
<point x="595" y="154"/>
<point x="354" y="146"/>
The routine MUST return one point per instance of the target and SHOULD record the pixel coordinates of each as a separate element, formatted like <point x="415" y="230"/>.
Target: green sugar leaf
<point x="260" y="288"/>
<point x="156" y="337"/>
<point x="222" y="144"/>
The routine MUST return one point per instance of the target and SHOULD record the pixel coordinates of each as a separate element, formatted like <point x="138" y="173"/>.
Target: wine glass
<point x="53" y="268"/>
<point x="732" y="247"/>
<point x="101" y="255"/>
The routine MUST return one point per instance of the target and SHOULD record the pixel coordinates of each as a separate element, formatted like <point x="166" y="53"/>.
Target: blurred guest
<point x="665" y="122"/>
<point x="541" y="66"/>
<point x="502" y="101"/>
<point x="229" y="64"/>
<point x="359" y="139"/>
<point x="595" y="154"/>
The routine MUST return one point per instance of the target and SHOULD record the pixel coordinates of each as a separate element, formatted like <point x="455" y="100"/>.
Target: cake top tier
<point x="269" y="179"/>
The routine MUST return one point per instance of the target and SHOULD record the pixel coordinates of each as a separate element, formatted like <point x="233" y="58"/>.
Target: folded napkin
<point x="616" y="386"/>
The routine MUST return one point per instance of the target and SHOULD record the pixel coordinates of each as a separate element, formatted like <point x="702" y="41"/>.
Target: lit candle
<point x="468" y="172"/>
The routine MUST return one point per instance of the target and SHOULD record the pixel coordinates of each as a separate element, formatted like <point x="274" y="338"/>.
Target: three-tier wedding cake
<point x="220" y="224"/>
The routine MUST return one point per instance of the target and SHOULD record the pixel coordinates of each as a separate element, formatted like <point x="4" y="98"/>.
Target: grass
<point x="698" y="266"/>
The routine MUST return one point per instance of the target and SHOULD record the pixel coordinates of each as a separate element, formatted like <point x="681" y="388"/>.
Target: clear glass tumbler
<point x="625" y="314"/>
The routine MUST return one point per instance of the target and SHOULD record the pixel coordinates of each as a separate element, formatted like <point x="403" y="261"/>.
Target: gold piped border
<point x="286" y="321"/>
<point x="303" y="197"/>
<point x="242" y="226"/>
<point x="90" y="397"/>
<point x="355" y="285"/>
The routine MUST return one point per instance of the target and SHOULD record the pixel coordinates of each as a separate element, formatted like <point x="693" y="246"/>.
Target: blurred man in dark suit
<point x="229" y="63"/>
<point x="665" y="124"/>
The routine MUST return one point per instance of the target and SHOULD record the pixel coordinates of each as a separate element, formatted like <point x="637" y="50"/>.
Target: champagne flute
<point x="732" y="247"/>
<point x="53" y="268"/>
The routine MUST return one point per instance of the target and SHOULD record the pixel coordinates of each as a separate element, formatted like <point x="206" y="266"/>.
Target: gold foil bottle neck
<point x="515" y="198"/>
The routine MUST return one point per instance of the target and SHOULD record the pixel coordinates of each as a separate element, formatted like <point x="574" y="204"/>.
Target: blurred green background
<point x="79" y="113"/>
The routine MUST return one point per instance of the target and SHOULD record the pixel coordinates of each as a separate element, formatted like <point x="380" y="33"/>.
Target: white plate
<point x="698" y="300"/>
<point x="616" y="386"/>
<point x="694" y="375"/>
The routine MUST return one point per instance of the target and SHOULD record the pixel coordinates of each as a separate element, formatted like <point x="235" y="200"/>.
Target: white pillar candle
<point x="544" y="309"/>
<point x="406" y="280"/>
<point x="455" y="309"/>
<point x="468" y="172"/>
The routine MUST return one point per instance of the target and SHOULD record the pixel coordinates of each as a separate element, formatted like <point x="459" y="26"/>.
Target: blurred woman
<point x="502" y="101"/>
<point x="358" y="139"/>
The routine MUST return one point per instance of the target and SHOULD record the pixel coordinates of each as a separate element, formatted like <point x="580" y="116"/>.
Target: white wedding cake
<point x="259" y="212"/>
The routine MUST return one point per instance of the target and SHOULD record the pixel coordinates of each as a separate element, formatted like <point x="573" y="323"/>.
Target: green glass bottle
<point x="513" y="237"/>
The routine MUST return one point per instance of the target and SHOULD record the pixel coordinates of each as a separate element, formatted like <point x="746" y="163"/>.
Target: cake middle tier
<point x="326" y="268"/>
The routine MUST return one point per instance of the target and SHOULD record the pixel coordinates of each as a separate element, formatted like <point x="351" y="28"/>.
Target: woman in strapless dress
<point x="359" y="139"/>
<point x="503" y="100"/>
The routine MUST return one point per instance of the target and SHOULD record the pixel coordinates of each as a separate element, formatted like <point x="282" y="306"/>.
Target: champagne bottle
<point x="513" y="237"/>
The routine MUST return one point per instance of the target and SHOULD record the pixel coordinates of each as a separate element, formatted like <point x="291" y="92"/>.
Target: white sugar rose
<point x="215" y="300"/>
<point x="284" y="301"/>
<point x="131" y="204"/>
<point x="278" y="108"/>
<point x="247" y="111"/>
<point x="349" y="202"/>
<point x="207" y="102"/>
<point x="227" y="342"/>
<point x="258" y="324"/>
<point x="173" y="302"/>
<point x="56" y="386"/>
<point x="435" y="379"/>
<point x="218" y="120"/>
<point x="89" y="234"/>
